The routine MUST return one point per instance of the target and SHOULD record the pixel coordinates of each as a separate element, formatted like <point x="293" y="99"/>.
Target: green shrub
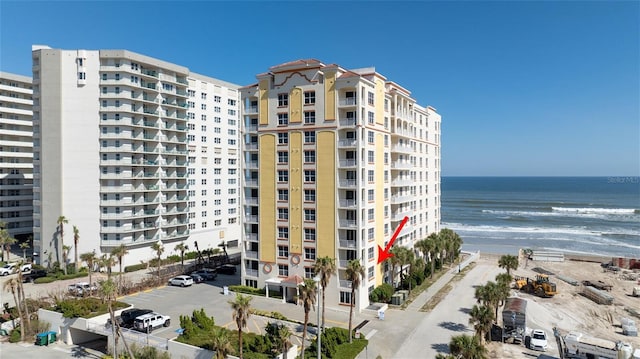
<point x="382" y="294"/>
<point x="246" y="290"/>
<point x="135" y="267"/>
<point x="84" y="307"/>
<point x="14" y="337"/>
<point x="45" y="280"/>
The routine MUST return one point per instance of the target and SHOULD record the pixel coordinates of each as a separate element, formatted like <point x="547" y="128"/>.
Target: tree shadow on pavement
<point x="465" y="310"/>
<point x="440" y="348"/>
<point x="80" y="352"/>
<point x="456" y="327"/>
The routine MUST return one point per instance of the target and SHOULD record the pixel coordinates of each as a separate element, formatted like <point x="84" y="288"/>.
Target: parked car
<point x="128" y="316"/>
<point x="206" y="273"/>
<point x="538" y="340"/>
<point x="82" y="289"/>
<point x="33" y="275"/>
<point x="8" y="268"/>
<point x="25" y="268"/>
<point x="227" y="269"/>
<point x="196" y="278"/>
<point x="181" y="280"/>
<point x="148" y="322"/>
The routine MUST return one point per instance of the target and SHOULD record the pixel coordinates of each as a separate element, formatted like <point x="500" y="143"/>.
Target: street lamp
<point x="316" y="279"/>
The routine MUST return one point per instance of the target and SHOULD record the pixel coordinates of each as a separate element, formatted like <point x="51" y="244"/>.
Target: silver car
<point x="181" y="280"/>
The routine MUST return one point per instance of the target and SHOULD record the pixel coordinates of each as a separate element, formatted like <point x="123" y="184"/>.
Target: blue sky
<point x="524" y="88"/>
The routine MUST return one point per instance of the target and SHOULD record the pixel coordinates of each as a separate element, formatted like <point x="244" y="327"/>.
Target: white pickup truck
<point x="11" y="268"/>
<point x="148" y="322"/>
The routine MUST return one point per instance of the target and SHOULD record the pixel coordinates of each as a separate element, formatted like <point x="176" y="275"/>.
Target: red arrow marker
<point x="384" y="254"/>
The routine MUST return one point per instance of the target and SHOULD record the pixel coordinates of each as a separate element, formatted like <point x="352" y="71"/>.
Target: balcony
<point x="251" y="254"/>
<point x="252" y="201"/>
<point x="402" y="148"/>
<point x="348" y="143"/>
<point x="343" y="263"/>
<point x="348" y="101"/>
<point x="400" y="132"/>
<point x="349" y="121"/>
<point x="251" y="146"/>
<point x="347" y="183"/>
<point x="251" y="237"/>
<point x="347" y="244"/>
<point x="348" y="163"/>
<point x="251" y="183"/>
<point x="251" y="219"/>
<point x="403" y="165"/>
<point x="250" y="110"/>
<point x="399" y="215"/>
<point x="348" y="203"/>
<point x="251" y="272"/>
<point x="401" y="198"/>
<point x="251" y="128"/>
<point x="251" y="165"/>
<point x="345" y="284"/>
<point x="348" y="223"/>
<point x="402" y="182"/>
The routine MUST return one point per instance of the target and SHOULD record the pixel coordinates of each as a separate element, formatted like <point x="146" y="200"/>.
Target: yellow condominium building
<point x="333" y="161"/>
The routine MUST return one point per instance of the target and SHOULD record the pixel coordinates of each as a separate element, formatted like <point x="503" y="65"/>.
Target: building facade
<point x="16" y="154"/>
<point x="120" y="153"/>
<point x="334" y="160"/>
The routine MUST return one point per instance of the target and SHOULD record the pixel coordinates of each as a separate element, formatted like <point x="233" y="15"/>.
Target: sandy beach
<point x="569" y="310"/>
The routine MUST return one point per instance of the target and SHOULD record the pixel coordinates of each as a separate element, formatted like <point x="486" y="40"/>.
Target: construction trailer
<point x="514" y="320"/>
<point x="578" y="345"/>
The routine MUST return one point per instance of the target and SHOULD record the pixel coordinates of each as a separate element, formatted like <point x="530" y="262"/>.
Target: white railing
<point x="347" y="244"/>
<point x="348" y="183"/>
<point x="350" y="223"/>
<point x="251" y="272"/>
<point x="347" y="143"/>
<point x="345" y="283"/>
<point x="348" y="163"/>
<point x="349" y="203"/>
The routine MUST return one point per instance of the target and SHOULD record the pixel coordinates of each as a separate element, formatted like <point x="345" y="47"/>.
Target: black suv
<point x="126" y="318"/>
<point x="227" y="269"/>
<point x="33" y="275"/>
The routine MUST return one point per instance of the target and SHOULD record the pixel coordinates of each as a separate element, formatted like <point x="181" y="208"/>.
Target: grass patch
<point x="85" y="307"/>
<point x="350" y="351"/>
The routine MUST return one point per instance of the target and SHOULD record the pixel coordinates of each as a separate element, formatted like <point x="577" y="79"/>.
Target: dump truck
<point x="540" y="286"/>
<point x="578" y="345"/>
<point x="514" y="320"/>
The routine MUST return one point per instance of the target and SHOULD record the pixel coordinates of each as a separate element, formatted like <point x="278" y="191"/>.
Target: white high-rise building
<point x="16" y="154"/>
<point x="334" y="160"/>
<point x="122" y="151"/>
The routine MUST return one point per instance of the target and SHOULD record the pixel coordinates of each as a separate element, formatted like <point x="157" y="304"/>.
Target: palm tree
<point x="65" y="255"/>
<point x="24" y="246"/>
<point x="108" y="291"/>
<point x="62" y="220"/>
<point x="481" y="319"/>
<point x="158" y="247"/>
<point x="423" y="246"/>
<point x="8" y="242"/>
<point x="490" y="295"/>
<point x="280" y="338"/>
<point x="406" y="258"/>
<point x="90" y="259"/>
<point x="107" y="261"/>
<point x="27" y="316"/>
<point x="181" y="248"/>
<point x="393" y="261"/>
<point x="241" y="313"/>
<point x="308" y="292"/>
<point x="221" y="343"/>
<point x="76" y="239"/>
<point x="119" y="252"/>
<point x="11" y="285"/>
<point x="355" y="273"/>
<point x="325" y="267"/>
<point x="467" y="347"/>
<point x="508" y="262"/>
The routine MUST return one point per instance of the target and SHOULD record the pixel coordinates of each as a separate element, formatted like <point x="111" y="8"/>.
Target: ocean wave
<point x="546" y="230"/>
<point x="596" y="210"/>
<point x="618" y="215"/>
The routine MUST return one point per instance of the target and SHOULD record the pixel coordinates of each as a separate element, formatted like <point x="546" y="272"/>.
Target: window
<point x="309" y="156"/>
<point x="309" y="195"/>
<point x="371" y="117"/>
<point x="203" y="106"/>
<point x="370" y="137"/>
<point x="283" y="270"/>
<point x="283" y="214"/>
<point x="309" y="137"/>
<point x="309" y="272"/>
<point x="310" y="215"/>
<point x="370" y="272"/>
<point x="283" y="138"/>
<point x="283" y="99"/>
<point x="371" y="156"/>
<point x="310" y="254"/>
<point x="371" y="176"/>
<point x="345" y="297"/>
<point x="283" y="251"/>
<point x="283" y="232"/>
<point x="283" y="157"/>
<point x="370" y="98"/>
<point x="217" y="99"/>
<point x="370" y="195"/>
<point x="370" y="254"/>
<point x="309" y="97"/>
<point x="371" y="214"/>
<point x="309" y="176"/>
<point x="371" y="234"/>
<point x="283" y="119"/>
<point x="310" y="117"/>
<point x="283" y="176"/>
<point x="283" y="195"/>
<point x="231" y="102"/>
<point x="309" y="234"/>
<point x="203" y="95"/>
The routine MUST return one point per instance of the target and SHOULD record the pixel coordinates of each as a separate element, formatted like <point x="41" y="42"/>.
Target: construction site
<point x="591" y="304"/>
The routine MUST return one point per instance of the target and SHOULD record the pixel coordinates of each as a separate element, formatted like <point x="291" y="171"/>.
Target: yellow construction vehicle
<point x="541" y="286"/>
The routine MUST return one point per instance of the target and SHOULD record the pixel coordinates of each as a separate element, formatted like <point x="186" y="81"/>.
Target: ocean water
<point x="586" y="215"/>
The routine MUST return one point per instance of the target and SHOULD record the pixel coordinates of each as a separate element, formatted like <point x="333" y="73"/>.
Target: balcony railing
<point x="251" y="254"/>
<point x="250" y="109"/>
<point x="348" y="101"/>
<point x="345" y="284"/>
<point x="402" y="165"/>
<point x="251" y="183"/>
<point x="343" y="263"/>
<point x="251" y="146"/>
<point x="251" y="219"/>
<point x="402" y="182"/>
<point x="347" y="143"/>
<point x="348" y="183"/>
<point x="251" y="200"/>
<point x="251" y="237"/>
<point x="348" y="203"/>
<point x="251" y="272"/>
<point x="400" y="198"/>
<point x="348" y="163"/>
<point x="348" y="223"/>
<point x="401" y="148"/>
<point x="347" y="244"/>
<point x="349" y="121"/>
